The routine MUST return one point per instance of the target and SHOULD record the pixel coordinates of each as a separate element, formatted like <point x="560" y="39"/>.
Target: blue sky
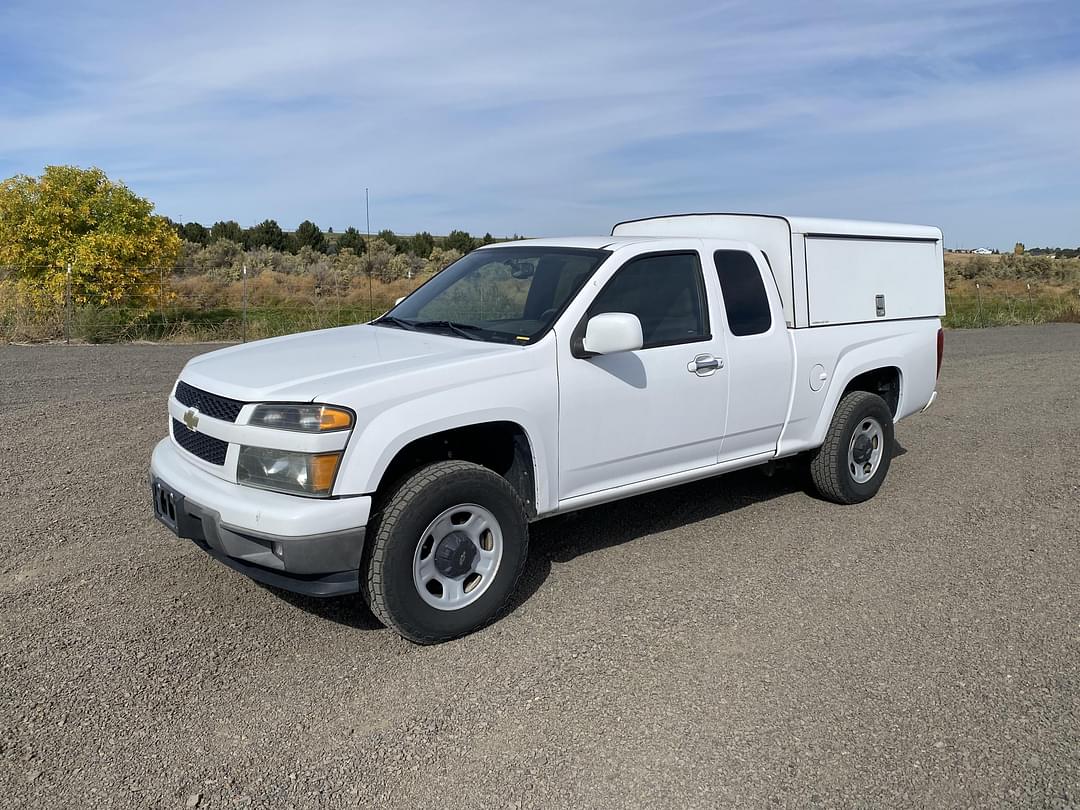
<point x="547" y="118"/>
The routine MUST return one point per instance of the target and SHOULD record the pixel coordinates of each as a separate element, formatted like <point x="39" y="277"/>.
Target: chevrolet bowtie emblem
<point x="191" y="419"/>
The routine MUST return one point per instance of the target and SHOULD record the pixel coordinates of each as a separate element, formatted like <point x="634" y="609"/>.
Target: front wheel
<point x="445" y="552"/>
<point x="851" y="465"/>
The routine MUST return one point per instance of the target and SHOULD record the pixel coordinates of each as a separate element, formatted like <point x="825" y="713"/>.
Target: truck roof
<point x="591" y="242"/>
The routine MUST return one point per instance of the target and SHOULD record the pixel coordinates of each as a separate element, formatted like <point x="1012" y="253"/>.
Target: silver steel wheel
<point x="864" y="451"/>
<point x="457" y="557"/>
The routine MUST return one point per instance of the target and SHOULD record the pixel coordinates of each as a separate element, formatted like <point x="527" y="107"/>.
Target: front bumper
<point x="314" y="547"/>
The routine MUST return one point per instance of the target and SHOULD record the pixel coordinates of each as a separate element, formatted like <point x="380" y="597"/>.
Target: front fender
<point x="527" y="397"/>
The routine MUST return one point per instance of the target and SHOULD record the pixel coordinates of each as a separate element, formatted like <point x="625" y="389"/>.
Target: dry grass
<point x="206" y="307"/>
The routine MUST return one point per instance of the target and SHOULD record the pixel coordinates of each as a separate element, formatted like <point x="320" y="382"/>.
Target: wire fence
<point x="1001" y="304"/>
<point x="226" y="305"/>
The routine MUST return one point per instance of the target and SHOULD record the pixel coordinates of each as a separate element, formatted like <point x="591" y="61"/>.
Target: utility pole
<point x="367" y="228"/>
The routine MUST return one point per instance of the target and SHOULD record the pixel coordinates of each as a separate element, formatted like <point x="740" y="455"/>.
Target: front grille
<point x="199" y="444"/>
<point x="212" y="405"/>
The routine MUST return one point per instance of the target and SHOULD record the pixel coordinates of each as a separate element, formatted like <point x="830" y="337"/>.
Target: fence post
<point x="1031" y="306"/>
<point x="978" y="293"/>
<point x="243" y="333"/>
<point x="67" y="307"/>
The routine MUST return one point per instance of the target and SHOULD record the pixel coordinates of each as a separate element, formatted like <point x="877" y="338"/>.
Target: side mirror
<point x="612" y="332"/>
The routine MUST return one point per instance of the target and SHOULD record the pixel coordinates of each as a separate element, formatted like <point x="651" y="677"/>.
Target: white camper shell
<point x="829" y="271"/>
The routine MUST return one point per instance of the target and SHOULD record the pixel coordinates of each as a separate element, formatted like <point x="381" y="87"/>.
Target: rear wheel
<point x="852" y="463"/>
<point x="445" y="552"/>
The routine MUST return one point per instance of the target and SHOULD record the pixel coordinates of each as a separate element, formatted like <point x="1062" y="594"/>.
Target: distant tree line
<point x="268" y="234"/>
<point x="1061" y="253"/>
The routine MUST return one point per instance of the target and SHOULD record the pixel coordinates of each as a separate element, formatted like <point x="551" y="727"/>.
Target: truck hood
<point x="303" y="367"/>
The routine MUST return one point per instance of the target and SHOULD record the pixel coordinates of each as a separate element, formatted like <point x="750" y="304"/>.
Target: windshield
<point x="507" y="294"/>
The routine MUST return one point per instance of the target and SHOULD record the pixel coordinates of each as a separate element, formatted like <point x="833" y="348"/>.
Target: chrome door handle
<point x="704" y="364"/>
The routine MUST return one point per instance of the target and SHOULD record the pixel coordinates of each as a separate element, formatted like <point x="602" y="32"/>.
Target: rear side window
<point x="745" y="301"/>
<point x="665" y="291"/>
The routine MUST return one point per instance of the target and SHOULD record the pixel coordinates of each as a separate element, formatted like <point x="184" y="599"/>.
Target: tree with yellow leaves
<point x="116" y="246"/>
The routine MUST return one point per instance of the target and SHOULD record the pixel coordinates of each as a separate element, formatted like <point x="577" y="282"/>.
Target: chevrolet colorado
<point x="405" y="458"/>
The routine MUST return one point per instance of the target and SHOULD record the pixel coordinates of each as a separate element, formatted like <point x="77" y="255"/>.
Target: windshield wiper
<point x="466" y="330"/>
<point x="400" y="323"/>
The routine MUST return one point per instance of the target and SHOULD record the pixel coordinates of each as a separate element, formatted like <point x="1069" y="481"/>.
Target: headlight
<point x="287" y="471"/>
<point x="312" y="418"/>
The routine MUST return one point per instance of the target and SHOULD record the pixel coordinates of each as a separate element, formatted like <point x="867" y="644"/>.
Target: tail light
<point x="940" y="349"/>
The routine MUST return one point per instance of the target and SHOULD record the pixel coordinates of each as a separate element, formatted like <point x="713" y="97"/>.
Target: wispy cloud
<point x="560" y="117"/>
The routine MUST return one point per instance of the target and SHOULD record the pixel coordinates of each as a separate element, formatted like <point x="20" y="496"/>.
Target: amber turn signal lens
<point x="323" y="468"/>
<point x="334" y="419"/>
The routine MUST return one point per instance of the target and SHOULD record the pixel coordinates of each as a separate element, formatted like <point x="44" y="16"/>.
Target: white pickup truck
<point x="406" y="457"/>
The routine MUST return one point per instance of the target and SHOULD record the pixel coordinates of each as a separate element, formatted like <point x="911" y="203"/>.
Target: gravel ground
<point x="734" y="642"/>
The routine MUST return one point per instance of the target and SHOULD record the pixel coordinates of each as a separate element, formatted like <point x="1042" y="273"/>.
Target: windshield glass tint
<point x="511" y="294"/>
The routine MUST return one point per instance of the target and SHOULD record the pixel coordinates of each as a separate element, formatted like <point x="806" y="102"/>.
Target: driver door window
<point x="666" y="292"/>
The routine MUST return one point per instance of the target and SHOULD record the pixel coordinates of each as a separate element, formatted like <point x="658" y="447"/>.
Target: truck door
<point x="636" y="415"/>
<point x="760" y="353"/>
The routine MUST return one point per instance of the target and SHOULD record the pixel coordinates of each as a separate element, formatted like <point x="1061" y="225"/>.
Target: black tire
<point x="829" y="468"/>
<point x="386" y="579"/>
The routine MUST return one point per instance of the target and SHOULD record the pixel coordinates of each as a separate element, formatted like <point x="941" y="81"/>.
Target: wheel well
<point x="502" y="447"/>
<point x="885" y="382"/>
